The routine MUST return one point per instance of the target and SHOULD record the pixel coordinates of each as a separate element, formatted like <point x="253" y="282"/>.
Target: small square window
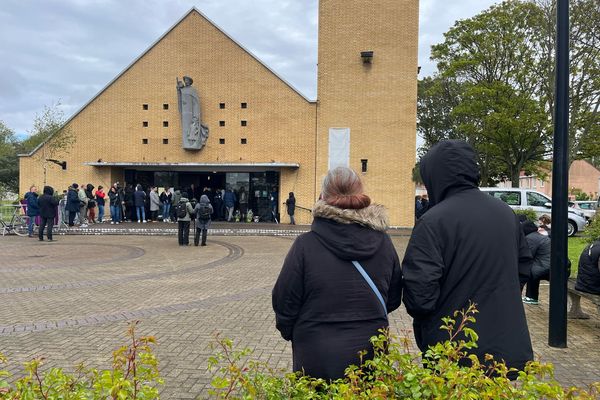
<point x="244" y="141"/>
<point x="364" y="162"/>
<point x="144" y="106"/>
<point x="165" y="106"/>
<point x="145" y="124"/>
<point x="221" y="105"/>
<point x="244" y="105"/>
<point x="221" y="123"/>
<point x="144" y="141"/>
<point x="221" y="141"/>
<point x="165" y="141"/>
<point x="165" y="124"/>
<point x="244" y="123"/>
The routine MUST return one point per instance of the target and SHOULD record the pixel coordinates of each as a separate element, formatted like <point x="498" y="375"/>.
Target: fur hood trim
<point x="374" y="216"/>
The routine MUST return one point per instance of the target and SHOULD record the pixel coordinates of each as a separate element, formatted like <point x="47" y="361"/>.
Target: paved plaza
<point x="69" y="301"/>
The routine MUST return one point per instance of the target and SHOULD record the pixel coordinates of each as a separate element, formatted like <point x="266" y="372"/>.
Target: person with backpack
<point x="203" y="212"/>
<point x="184" y="212"/>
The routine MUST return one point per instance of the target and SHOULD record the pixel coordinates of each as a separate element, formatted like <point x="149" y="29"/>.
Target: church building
<point x="233" y="122"/>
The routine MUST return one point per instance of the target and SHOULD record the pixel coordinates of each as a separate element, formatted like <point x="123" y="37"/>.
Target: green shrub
<point x="134" y="375"/>
<point x="529" y="213"/>
<point x="394" y="373"/>
<point x="592" y="232"/>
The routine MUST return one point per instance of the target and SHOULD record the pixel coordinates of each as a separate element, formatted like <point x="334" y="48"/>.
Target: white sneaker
<point x="83" y="226"/>
<point x="112" y="222"/>
<point x="144" y="221"/>
<point x="139" y="222"/>
<point x="117" y="223"/>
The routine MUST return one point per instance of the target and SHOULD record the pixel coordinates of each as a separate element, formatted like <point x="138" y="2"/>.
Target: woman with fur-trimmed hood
<point x="322" y="302"/>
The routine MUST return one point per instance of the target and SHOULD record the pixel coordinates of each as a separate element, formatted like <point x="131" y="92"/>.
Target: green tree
<point x="50" y="130"/>
<point x="9" y="164"/>
<point x="495" y="86"/>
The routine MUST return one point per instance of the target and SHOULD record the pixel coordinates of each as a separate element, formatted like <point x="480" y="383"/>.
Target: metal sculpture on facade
<point x="195" y="133"/>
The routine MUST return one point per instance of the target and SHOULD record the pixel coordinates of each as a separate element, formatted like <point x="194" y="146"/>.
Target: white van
<point x="523" y="199"/>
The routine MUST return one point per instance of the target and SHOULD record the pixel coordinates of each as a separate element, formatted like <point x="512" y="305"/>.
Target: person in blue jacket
<point x="33" y="209"/>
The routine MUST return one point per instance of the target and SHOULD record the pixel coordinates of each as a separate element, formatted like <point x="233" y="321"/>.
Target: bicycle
<point x="17" y="224"/>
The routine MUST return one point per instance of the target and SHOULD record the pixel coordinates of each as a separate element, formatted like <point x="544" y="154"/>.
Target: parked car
<point x="588" y="208"/>
<point x="522" y="199"/>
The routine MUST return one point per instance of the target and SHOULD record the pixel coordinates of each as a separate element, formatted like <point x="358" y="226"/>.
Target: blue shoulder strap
<point x="371" y="283"/>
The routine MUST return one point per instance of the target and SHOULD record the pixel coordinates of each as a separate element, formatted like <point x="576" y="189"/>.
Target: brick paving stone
<point x="70" y="302"/>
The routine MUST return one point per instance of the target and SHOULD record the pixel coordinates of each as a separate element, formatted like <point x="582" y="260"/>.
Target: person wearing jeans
<point x="100" y="195"/>
<point x="115" y="205"/>
<point x="33" y="210"/>
<point x="139" y="198"/>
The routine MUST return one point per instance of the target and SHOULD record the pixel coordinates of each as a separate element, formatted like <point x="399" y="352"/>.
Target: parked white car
<point x="523" y="199"/>
<point x="588" y="208"/>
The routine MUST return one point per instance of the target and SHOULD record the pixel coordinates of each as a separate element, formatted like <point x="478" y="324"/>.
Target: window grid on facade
<point x="165" y="106"/>
<point x="145" y="124"/>
<point x="244" y="123"/>
<point x="144" y="141"/>
<point x="221" y="105"/>
<point x="165" y="124"/>
<point x="244" y="141"/>
<point x="244" y="105"/>
<point x="221" y="141"/>
<point x="221" y="123"/>
<point x="165" y="141"/>
<point x="144" y="106"/>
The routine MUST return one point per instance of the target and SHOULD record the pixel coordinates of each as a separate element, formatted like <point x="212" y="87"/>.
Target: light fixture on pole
<point x="367" y="56"/>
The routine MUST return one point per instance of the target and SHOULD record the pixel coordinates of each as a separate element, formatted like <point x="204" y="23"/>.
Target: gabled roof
<point x="192" y="10"/>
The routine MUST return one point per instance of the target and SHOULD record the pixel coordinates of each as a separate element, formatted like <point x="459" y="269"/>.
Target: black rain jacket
<point x="469" y="247"/>
<point x="588" y="274"/>
<point x="322" y="303"/>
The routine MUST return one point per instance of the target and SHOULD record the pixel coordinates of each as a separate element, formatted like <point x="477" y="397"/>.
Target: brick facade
<point x="378" y="104"/>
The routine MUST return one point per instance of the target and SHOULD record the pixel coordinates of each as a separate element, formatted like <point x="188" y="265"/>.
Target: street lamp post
<point x="557" y="329"/>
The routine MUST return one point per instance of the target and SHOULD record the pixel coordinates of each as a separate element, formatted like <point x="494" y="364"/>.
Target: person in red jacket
<point x="100" y="196"/>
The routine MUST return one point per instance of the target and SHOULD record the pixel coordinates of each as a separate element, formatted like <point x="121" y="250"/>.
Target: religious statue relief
<point x="195" y="133"/>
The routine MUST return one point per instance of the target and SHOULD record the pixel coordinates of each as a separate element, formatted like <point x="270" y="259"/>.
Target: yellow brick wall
<point x="280" y="122"/>
<point x="377" y="101"/>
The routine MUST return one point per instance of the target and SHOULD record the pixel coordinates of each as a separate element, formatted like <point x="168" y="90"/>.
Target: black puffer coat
<point x="321" y="301"/>
<point x="588" y="274"/>
<point x="469" y="247"/>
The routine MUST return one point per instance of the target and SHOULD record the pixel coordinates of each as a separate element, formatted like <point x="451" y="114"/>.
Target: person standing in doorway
<point x="229" y="201"/>
<point x="33" y="209"/>
<point x="139" y="198"/>
<point x="100" y="196"/>
<point x="48" y="204"/>
<point x="455" y="258"/>
<point x="273" y="199"/>
<point x="203" y="211"/>
<point x="184" y="211"/>
<point x="218" y="205"/>
<point x="243" y="196"/>
<point x="290" y="204"/>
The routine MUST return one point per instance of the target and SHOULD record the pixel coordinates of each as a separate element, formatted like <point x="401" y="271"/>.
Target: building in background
<point x="263" y="134"/>
<point x="583" y="177"/>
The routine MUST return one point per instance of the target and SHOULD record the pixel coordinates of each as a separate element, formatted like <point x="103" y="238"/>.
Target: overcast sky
<point x="68" y="50"/>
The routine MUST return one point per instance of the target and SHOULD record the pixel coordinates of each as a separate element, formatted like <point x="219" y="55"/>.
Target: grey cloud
<point x="69" y="49"/>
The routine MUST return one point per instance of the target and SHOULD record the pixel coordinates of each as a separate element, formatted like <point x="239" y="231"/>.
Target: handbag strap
<point x="371" y="284"/>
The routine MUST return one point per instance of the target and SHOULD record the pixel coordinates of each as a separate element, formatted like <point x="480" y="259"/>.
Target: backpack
<point x="181" y="210"/>
<point x="204" y="212"/>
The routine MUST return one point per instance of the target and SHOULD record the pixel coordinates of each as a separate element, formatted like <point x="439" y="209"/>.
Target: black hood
<point x="347" y="241"/>
<point x="447" y="168"/>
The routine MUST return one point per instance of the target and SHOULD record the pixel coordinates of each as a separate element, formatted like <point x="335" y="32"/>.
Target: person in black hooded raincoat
<point x="321" y="301"/>
<point x="469" y="247"/>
